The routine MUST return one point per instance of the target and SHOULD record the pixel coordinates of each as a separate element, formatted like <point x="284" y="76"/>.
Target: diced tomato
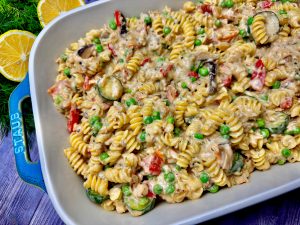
<point x="267" y="4"/>
<point x="167" y="70"/>
<point x="286" y="103"/>
<point x="74" y="118"/>
<point x="113" y="52"/>
<point x="145" y="61"/>
<point x="259" y="63"/>
<point x="118" y="18"/>
<point x="156" y="164"/>
<point x="86" y="84"/>
<point x="150" y="194"/>
<point x="206" y="8"/>
<point x="227" y="81"/>
<point x="258" y="76"/>
<point x="193" y="74"/>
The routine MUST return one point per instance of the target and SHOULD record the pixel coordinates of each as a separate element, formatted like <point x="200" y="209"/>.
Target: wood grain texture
<point x="22" y="204"/>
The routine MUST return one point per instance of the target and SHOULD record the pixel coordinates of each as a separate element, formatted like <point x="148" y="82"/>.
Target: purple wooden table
<point x="22" y="204"/>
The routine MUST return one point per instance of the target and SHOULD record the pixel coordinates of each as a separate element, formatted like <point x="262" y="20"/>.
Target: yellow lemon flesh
<point x="49" y="9"/>
<point x="15" y="46"/>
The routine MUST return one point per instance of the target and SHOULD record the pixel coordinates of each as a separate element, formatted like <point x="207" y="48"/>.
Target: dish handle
<point x="29" y="171"/>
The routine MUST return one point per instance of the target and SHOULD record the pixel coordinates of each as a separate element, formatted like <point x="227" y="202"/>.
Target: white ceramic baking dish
<point x="63" y="185"/>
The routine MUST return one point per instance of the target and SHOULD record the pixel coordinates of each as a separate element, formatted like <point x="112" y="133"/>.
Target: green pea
<point x="214" y="189"/>
<point x="193" y="79"/>
<point x="170" y="189"/>
<point x="99" y="48"/>
<point x="103" y="156"/>
<point x="112" y="25"/>
<point x="242" y="33"/>
<point x="250" y="20"/>
<point x="148" y="20"/>
<point x="203" y="71"/>
<point x="281" y="161"/>
<point x="156" y="115"/>
<point x="265" y="133"/>
<point x="128" y="91"/>
<point x="274" y="0"/>
<point x="276" y="84"/>
<point x="94" y="119"/>
<point x="286" y="152"/>
<point x="157" y="189"/>
<point x="64" y="57"/>
<point x="178" y="168"/>
<point x="67" y="72"/>
<point x="143" y="136"/>
<point x="198" y="136"/>
<point x="161" y="59"/>
<point x="218" y="23"/>
<point x="201" y="31"/>
<point x="126" y="190"/>
<point x="229" y="3"/>
<point x="198" y="42"/>
<point x="282" y="11"/>
<point x="167" y="30"/>
<point x="289" y="132"/>
<point x="96" y="41"/>
<point x="121" y="60"/>
<point x="130" y="102"/>
<point x="184" y="85"/>
<point x="261" y="123"/>
<point x="170" y="119"/>
<point x="226" y="136"/>
<point x="177" y="131"/>
<point x="97" y="126"/>
<point x="169" y="177"/>
<point x="204" y="178"/>
<point x="224" y="129"/>
<point x="148" y="119"/>
<point x="297" y="130"/>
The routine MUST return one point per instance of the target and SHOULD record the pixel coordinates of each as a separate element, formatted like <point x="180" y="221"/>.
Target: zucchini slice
<point x="95" y="197"/>
<point x="110" y="88"/>
<point x="271" y="25"/>
<point x="276" y="122"/>
<point x="139" y="206"/>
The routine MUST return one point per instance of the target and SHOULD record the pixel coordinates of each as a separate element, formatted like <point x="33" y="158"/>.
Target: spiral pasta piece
<point x="96" y="184"/>
<point x="76" y="161"/>
<point x="216" y="173"/>
<point x="134" y="63"/>
<point x="118" y="175"/>
<point x="76" y="141"/>
<point x="259" y="159"/>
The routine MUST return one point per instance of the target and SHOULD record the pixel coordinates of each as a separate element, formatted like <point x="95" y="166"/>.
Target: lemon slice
<point x="49" y="9"/>
<point x="15" y="47"/>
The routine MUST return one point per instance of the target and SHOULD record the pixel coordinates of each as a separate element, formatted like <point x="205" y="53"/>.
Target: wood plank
<point x="18" y="200"/>
<point x="45" y="214"/>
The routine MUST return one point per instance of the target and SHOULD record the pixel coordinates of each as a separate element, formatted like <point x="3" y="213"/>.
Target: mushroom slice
<point x="86" y="51"/>
<point x="110" y="88"/>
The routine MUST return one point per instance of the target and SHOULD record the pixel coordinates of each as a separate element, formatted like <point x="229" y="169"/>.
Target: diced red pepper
<point x="86" y="84"/>
<point x="258" y="76"/>
<point x="267" y="4"/>
<point x="193" y="74"/>
<point x="167" y="70"/>
<point x="74" y="118"/>
<point x="286" y="103"/>
<point x="156" y="164"/>
<point x="118" y="18"/>
<point x="145" y="61"/>
<point x="227" y="81"/>
<point x="150" y="194"/>
<point x="113" y="52"/>
<point x="206" y="8"/>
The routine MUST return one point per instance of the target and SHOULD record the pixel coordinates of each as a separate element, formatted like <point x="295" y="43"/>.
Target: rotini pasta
<point x="170" y="105"/>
